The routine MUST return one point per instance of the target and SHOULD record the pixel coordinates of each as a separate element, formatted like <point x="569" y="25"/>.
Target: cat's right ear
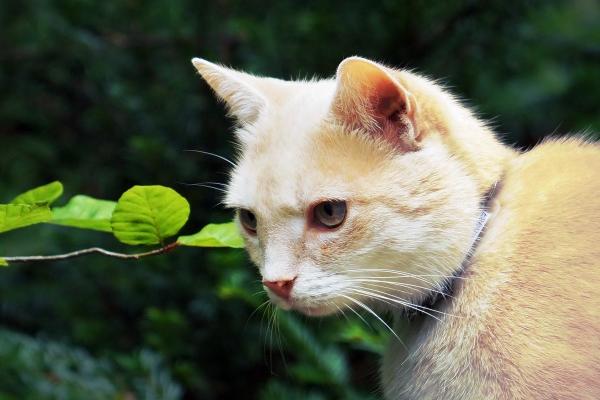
<point x="236" y="89"/>
<point x="369" y="98"/>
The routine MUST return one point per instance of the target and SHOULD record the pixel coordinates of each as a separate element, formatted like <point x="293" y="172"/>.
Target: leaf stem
<point x="57" y="257"/>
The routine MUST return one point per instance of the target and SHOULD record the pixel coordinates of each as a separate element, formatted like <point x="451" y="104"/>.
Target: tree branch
<point x="56" y="257"/>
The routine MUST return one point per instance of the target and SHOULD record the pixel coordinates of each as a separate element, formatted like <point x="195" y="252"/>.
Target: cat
<point x="371" y="189"/>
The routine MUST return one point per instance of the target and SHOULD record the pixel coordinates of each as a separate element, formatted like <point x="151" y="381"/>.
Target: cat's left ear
<point x="369" y="98"/>
<point x="237" y="89"/>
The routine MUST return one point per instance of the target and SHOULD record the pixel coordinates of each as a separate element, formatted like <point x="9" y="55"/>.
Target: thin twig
<point x="79" y="253"/>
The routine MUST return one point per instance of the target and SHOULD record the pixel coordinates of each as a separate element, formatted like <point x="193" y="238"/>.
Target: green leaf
<point x="41" y="195"/>
<point x="85" y="212"/>
<point x="13" y="216"/>
<point x="3" y="262"/>
<point x="149" y="214"/>
<point x="214" y="235"/>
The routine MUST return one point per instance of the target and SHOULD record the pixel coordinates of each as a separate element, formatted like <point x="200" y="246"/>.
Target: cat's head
<point x="345" y="189"/>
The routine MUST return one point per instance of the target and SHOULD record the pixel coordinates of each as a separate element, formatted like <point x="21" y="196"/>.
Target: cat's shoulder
<point x="531" y="273"/>
<point x="558" y="169"/>
<point x="562" y="151"/>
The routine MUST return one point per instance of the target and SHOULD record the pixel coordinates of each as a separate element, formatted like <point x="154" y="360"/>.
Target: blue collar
<point x="435" y="299"/>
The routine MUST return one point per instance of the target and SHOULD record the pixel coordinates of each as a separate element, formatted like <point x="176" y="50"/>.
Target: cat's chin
<point x="310" y="311"/>
<point x="314" y="311"/>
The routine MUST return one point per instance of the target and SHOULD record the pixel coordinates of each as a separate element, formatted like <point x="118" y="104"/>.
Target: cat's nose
<point x="281" y="288"/>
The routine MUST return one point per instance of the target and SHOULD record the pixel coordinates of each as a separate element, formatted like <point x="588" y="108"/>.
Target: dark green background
<point x="101" y="95"/>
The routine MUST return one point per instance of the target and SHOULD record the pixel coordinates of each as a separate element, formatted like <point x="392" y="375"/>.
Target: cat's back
<point x="548" y="206"/>
<point x="527" y="316"/>
<point x="540" y="267"/>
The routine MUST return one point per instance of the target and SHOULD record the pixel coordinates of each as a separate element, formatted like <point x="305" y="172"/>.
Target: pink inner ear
<point x="369" y="98"/>
<point x="369" y="91"/>
<point x="387" y="98"/>
<point x="387" y="107"/>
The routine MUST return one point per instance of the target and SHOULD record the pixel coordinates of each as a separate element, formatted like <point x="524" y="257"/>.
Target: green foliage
<point x="40" y="369"/>
<point x="214" y="235"/>
<point x="41" y="195"/>
<point x="149" y="215"/>
<point x="85" y="212"/>
<point x="276" y="390"/>
<point x="14" y="216"/>
<point x="143" y="215"/>
<point x="320" y="364"/>
<point x="358" y="334"/>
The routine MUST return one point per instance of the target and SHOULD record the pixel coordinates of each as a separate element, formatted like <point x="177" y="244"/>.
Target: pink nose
<point x="281" y="288"/>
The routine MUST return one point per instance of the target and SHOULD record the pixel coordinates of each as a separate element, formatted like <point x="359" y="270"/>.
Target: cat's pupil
<point x="329" y="214"/>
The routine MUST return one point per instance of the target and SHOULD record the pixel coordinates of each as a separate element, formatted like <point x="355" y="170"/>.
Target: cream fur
<point x="413" y="165"/>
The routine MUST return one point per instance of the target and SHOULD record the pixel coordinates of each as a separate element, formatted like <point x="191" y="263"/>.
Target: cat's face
<point x="340" y="198"/>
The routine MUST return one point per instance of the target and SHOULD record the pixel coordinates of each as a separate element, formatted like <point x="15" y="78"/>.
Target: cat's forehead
<point x="330" y="164"/>
<point x="275" y="168"/>
<point x="295" y="154"/>
<point x="294" y="109"/>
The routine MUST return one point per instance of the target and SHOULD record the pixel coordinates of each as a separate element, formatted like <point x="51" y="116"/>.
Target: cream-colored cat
<point x="367" y="190"/>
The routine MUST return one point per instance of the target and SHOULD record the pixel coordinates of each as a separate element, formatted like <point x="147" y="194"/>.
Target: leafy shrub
<point x="42" y="369"/>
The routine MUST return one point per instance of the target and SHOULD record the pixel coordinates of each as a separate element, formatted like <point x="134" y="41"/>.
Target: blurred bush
<point x="102" y="95"/>
<point x="41" y="369"/>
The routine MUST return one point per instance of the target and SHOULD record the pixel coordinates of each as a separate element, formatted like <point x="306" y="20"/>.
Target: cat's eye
<point x="329" y="214"/>
<point x="248" y="220"/>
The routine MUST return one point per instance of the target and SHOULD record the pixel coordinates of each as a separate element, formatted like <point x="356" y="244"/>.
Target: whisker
<point x="386" y="296"/>
<point x="271" y="329"/>
<point x="359" y="316"/>
<point x="264" y="330"/>
<point x="366" y="308"/>
<point x="407" y="302"/>
<point x="390" y="302"/>
<point x="408" y="274"/>
<point x="342" y="312"/>
<point x="214" y="155"/>
<point x="257" y="309"/>
<point x="279" y="338"/>
<point x="403" y="284"/>
<point x="206" y="186"/>
<point x="387" y="285"/>
<point x="214" y="183"/>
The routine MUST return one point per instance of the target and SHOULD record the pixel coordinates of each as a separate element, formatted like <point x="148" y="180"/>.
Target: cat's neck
<point x="483" y="157"/>
<point x="436" y="299"/>
<point x="468" y="138"/>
